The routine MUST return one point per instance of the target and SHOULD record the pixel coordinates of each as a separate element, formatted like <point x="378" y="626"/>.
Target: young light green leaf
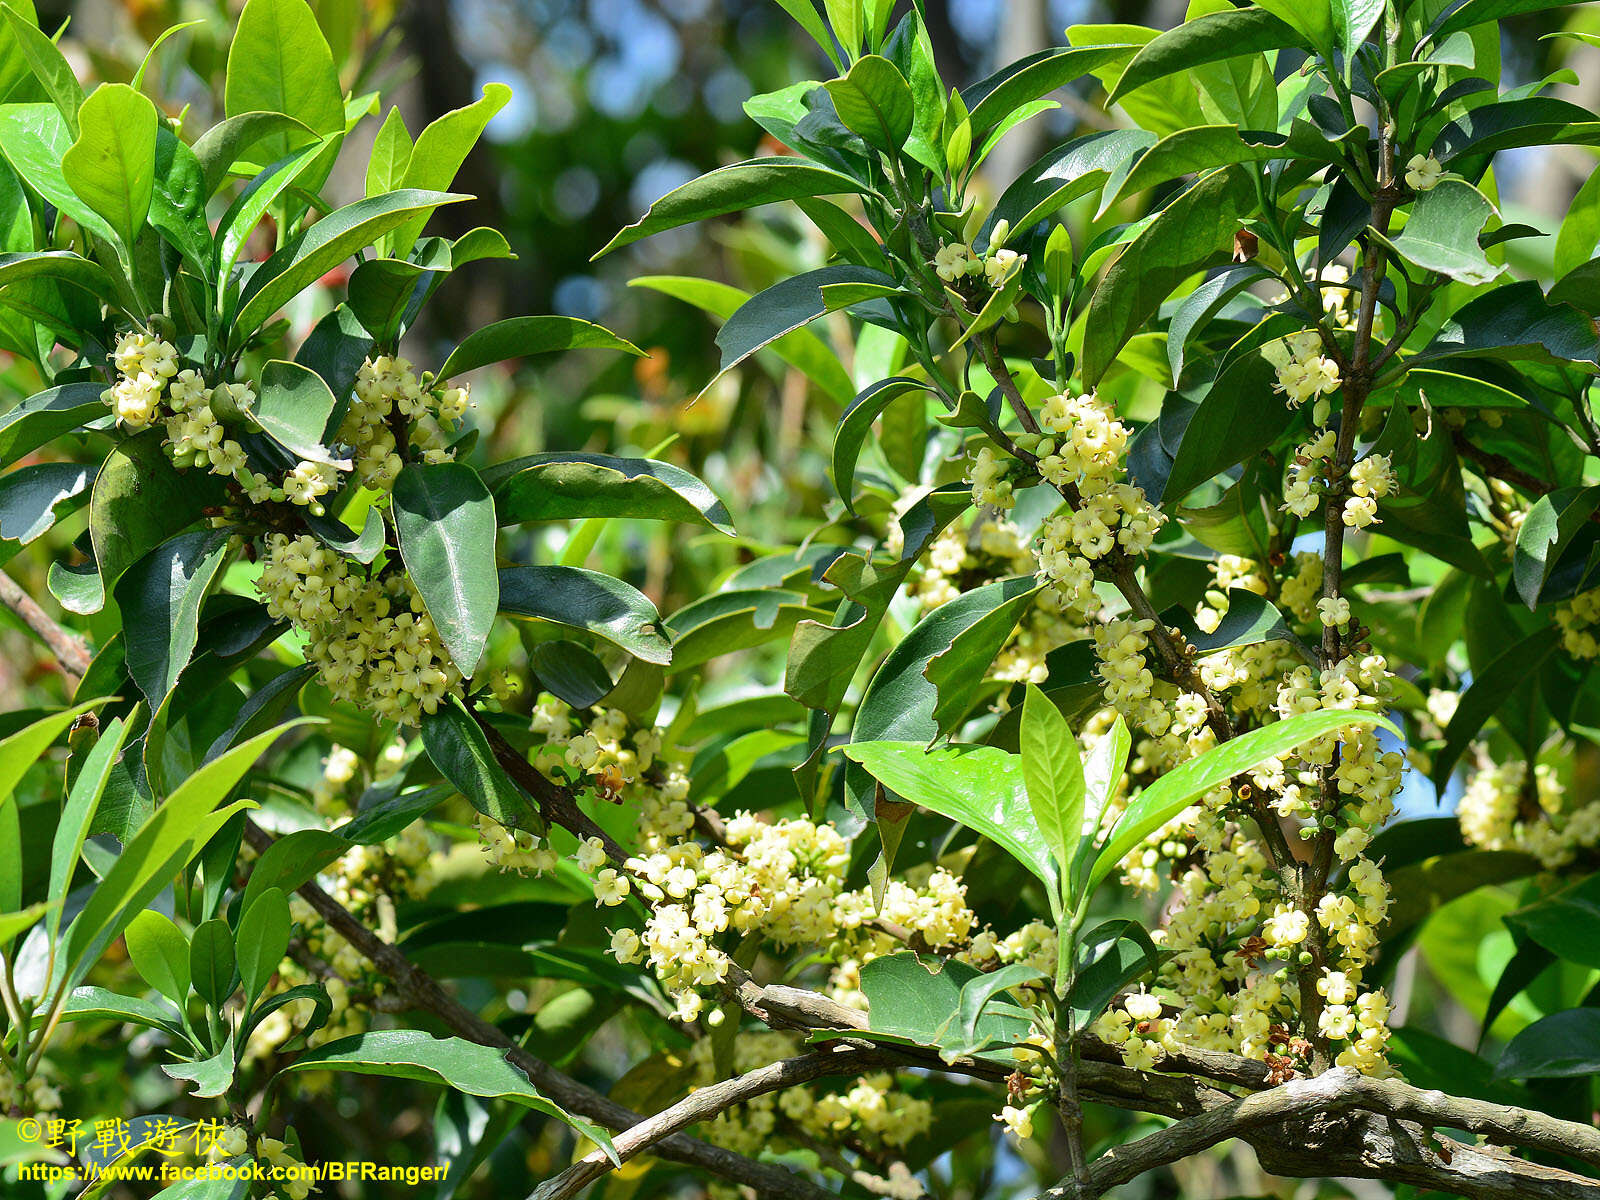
<point x="77" y="815"/>
<point x="263" y="941"/>
<point x="980" y="787"/>
<point x="279" y="62"/>
<point x="440" y="150"/>
<point x="160" y="954"/>
<point x="111" y="165"/>
<point x="874" y="101"/>
<point x="212" y="964"/>
<point x="1052" y="770"/>
<point x="1178" y="788"/>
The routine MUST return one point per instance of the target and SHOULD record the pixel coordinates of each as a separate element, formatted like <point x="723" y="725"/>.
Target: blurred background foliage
<point x="617" y="102"/>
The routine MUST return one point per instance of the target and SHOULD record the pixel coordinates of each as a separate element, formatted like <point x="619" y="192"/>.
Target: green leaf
<point x="990" y="101"/>
<point x="160" y="597"/>
<point x="77" y="815"/>
<point x="522" y="337"/>
<point x="457" y="746"/>
<point x="1065" y="173"/>
<point x="454" y="1063"/>
<point x="13" y="923"/>
<point x="44" y="59"/>
<point x="324" y="246"/>
<point x="98" y="1004"/>
<point x="965" y="1035"/>
<point x="1564" y="1045"/>
<point x="1052" y="771"/>
<point x="219" y="148"/>
<point x="574" y="486"/>
<point x="734" y="189"/>
<point x="293" y="408"/>
<point x="802" y="349"/>
<point x="111" y="166"/>
<point x="857" y="424"/>
<point x="1479" y="12"/>
<point x="440" y="150"/>
<point x="847" y="18"/>
<point x="1210" y="38"/>
<point x="160" y="954"/>
<point x="446" y="523"/>
<point x="1515" y="322"/>
<point x="1239" y="416"/>
<point x="1353" y="21"/>
<point x="178" y="202"/>
<point x="43" y="417"/>
<point x="385" y="294"/>
<point x="1189" y="151"/>
<point x="1313" y="18"/>
<point x="35" y="139"/>
<point x="279" y="62"/>
<point x="31" y="496"/>
<point x="1491" y="688"/>
<point x="263" y="941"/>
<point x="735" y="619"/>
<point x="212" y="1076"/>
<point x="1183" y="238"/>
<point x="175" y="833"/>
<point x="805" y="13"/>
<point x="919" y="999"/>
<point x="788" y="305"/>
<point x="606" y="607"/>
<point x="1442" y="233"/>
<point x="212" y="968"/>
<point x="1110" y="957"/>
<point x="252" y="203"/>
<point x="1579" y="234"/>
<point x="874" y="101"/>
<point x="1567" y="924"/>
<point x="19" y="751"/>
<point x="957" y="672"/>
<point x="1546" y="531"/>
<point x="391" y="151"/>
<point x="1200" y="305"/>
<point x="1177" y="789"/>
<point x="981" y="787"/>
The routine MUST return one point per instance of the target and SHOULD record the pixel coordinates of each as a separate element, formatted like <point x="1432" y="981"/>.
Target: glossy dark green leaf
<point x="918" y="998"/>
<point x="957" y="672"/>
<point x="606" y="607"/>
<point x="788" y="305"/>
<point x="574" y="486"/>
<point x="458" y="747"/>
<point x="857" y="424"/>
<point x="160" y="597"/>
<point x="139" y="501"/>
<point x="46" y="416"/>
<point x="1110" y="957"/>
<point x="1182" y="239"/>
<point x="453" y="1062"/>
<point x="382" y="289"/>
<point x="1189" y="151"/>
<point x="521" y="337"/>
<point x="991" y="100"/>
<point x="733" y="189"/>
<point x="1490" y="689"/>
<point x="1546" y="531"/>
<point x="1564" y="1045"/>
<point x="178" y="201"/>
<point x="446" y="523"/>
<point x="326" y="245"/>
<point x="1239" y="416"/>
<point x="31" y="497"/>
<point x="736" y="619"/>
<point x="1065" y="173"/>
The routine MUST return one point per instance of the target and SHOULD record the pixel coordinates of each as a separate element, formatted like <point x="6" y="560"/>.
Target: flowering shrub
<point x="1210" y="492"/>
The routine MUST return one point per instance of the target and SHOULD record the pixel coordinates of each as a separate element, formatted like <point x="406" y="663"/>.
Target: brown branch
<point x="707" y="1102"/>
<point x="71" y="652"/>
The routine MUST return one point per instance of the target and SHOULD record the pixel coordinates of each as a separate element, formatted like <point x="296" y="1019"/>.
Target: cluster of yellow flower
<point x="366" y="880"/>
<point x="234" y="1142"/>
<point x="1304" y="372"/>
<point x="367" y="632"/>
<point x="1577" y="618"/>
<point x="1504" y="809"/>
<point x="386" y="388"/>
<point x="983" y="551"/>
<point x="39" y="1097"/>
<point x="1371" y="480"/>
